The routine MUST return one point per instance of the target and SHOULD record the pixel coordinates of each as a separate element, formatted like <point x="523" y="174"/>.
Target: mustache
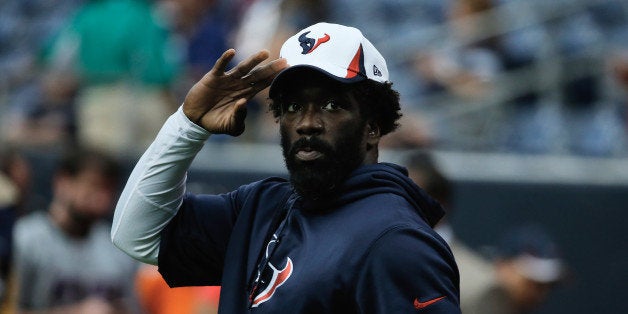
<point x="313" y="143"/>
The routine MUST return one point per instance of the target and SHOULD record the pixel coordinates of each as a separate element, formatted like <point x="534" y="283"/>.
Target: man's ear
<point x="372" y="130"/>
<point x="372" y="135"/>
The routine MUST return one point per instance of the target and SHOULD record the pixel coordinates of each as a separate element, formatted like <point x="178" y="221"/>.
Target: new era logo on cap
<point x="376" y="71"/>
<point x="341" y="52"/>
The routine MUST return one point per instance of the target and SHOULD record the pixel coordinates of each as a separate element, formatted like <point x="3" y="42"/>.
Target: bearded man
<point x="345" y="234"/>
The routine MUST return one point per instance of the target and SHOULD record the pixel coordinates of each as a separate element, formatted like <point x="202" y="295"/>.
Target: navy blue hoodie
<point x="371" y="249"/>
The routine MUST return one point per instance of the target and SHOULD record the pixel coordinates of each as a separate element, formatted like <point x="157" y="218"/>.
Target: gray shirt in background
<point x="54" y="269"/>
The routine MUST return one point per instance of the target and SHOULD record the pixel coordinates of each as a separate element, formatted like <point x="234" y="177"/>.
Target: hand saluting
<point x="218" y="101"/>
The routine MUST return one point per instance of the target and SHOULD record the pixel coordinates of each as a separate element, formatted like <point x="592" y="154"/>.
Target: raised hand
<point x="218" y="101"/>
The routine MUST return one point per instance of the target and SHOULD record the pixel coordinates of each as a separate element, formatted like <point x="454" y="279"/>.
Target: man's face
<point x="525" y="293"/>
<point x="89" y="195"/>
<point x="323" y="136"/>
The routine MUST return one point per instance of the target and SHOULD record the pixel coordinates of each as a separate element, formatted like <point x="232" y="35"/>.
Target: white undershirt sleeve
<point x="155" y="188"/>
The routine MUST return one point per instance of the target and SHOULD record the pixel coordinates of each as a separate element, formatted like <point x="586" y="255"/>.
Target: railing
<point x="550" y="70"/>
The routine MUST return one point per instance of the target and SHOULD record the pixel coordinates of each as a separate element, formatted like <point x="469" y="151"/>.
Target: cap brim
<point x="286" y="75"/>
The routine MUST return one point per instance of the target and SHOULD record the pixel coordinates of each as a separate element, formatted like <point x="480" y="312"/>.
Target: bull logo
<point x="278" y="279"/>
<point x="309" y="44"/>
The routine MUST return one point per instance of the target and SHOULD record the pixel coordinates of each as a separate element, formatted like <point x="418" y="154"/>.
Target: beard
<point x="80" y="217"/>
<point x="318" y="180"/>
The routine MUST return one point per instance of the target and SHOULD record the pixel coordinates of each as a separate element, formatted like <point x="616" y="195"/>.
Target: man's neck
<point x="371" y="156"/>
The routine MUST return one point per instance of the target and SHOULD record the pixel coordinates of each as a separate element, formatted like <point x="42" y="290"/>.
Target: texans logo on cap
<point x="309" y="44"/>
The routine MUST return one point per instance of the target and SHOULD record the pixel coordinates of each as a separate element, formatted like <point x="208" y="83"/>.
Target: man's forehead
<point x="296" y="82"/>
<point x="316" y="93"/>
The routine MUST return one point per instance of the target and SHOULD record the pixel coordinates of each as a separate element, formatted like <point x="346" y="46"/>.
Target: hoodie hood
<point x="368" y="180"/>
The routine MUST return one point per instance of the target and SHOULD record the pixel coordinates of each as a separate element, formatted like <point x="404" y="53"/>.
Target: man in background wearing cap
<point x="476" y="271"/>
<point x="526" y="267"/>
<point x="345" y="234"/>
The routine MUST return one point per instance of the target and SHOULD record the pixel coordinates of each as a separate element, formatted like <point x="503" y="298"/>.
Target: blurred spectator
<point x="612" y="18"/>
<point x="157" y="298"/>
<point x="620" y="69"/>
<point x="475" y="270"/>
<point x="17" y="169"/>
<point x="463" y="67"/>
<point x="15" y="177"/>
<point x="531" y="120"/>
<point x="414" y="131"/>
<point x="64" y="260"/>
<point x="8" y="197"/>
<point x="527" y="267"/>
<point x="26" y="116"/>
<point x="468" y="60"/>
<point x="592" y="123"/>
<point x="122" y="61"/>
<point x="555" y="55"/>
<point x="619" y="66"/>
<point x="202" y="26"/>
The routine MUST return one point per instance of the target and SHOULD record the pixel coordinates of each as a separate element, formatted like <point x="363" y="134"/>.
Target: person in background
<point x="15" y="183"/>
<point x="120" y="60"/>
<point x="64" y="261"/>
<point x="475" y="269"/>
<point x="8" y="196"/>
<point x="527" y="267"/>
<point x="16" y="167"/>
<point x="28" y="117"/>
<point x="202" y="26"/>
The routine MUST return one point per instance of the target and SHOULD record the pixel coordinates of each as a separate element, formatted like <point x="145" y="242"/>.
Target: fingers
<point x="278" y="65"/>
<point x="221" y="64"/>
<point x="257" y="86"/>
<point x="263" y="73"/>
<point x="245" y="66"/>
<point x="261" y="77"/>
<point x="239" y="116"/>
<point x="264" y="82"/>
<point x="244" y="80"/>
<point x="249" y="70"/>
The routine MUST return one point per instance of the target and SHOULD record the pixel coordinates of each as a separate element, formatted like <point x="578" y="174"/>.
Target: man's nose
<point x="310" y="122"/>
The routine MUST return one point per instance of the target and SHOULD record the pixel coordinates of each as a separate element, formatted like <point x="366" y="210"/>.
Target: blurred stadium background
<point x="522" y="102"/>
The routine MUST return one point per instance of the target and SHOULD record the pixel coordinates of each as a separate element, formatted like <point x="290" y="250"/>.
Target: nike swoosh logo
<point x="319" y="41"/>
<point x="421" y="305"/>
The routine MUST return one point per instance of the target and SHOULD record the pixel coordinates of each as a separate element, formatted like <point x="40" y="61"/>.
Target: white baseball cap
<point x="546" y="270"/>
<point x="534" y="254"/>
<point x="341" y="52"/>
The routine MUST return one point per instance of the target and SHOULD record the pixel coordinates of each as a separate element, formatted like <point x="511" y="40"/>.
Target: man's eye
<point x="331" y="105"/>
<point x="293" y="107"/>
